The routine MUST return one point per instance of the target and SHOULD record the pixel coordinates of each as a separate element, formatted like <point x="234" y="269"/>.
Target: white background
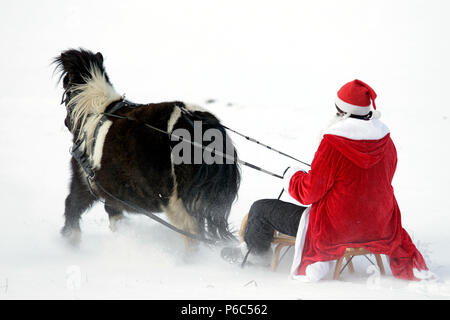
<point x="274" y="68"/>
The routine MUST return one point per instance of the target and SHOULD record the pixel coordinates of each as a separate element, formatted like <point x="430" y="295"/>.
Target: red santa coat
<point x="352" y="200"/>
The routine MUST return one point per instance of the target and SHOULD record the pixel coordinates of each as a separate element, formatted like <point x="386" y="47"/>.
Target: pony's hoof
<point x="71" y="235"/>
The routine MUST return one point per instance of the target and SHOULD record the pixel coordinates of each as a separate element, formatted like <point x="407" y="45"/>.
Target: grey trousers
<point x="266" y="216"/>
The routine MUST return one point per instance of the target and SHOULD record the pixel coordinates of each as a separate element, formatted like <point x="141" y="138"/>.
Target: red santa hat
<point x="356" y="97"/>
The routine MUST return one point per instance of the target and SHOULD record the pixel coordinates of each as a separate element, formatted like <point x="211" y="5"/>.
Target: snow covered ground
<point x="274" y="68"/>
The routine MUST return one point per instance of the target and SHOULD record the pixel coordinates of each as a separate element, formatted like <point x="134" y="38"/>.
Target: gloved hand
<point x="287" y="175"/>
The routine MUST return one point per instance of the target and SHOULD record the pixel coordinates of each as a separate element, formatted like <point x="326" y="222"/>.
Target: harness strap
<point x="82" y="158"/>
<point x="81" y="155"/>
<point x="147" y="213"/>
<point x="119" y="104"/>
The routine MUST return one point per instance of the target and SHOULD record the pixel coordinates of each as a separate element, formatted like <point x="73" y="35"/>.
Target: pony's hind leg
<point x="178" y="215"/>
<point x="77" y="202"/>
<point x="114" y="214"/>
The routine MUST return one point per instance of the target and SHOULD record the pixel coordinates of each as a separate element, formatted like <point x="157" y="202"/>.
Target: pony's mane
<point x="91" y="100"/>
<point x="78" y="63"/>
<point x="90" y="88"/>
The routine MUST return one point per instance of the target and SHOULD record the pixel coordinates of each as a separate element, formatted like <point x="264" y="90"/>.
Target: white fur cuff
<point x="288" y="175"/>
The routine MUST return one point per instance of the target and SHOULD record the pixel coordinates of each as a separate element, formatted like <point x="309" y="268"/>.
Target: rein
<point x="185" y="111"/>
<point x="198" y="145"/>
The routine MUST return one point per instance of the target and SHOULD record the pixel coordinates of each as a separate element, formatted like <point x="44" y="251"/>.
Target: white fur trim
<point x="316" y="271"/>
<point x="356" y="129"/>
<point x="376" y="114"/>
<point x="351" y="108"/>
<point x="300" y="243"/>
<point x="425" y="275"/>
<point x="288" y="175"/>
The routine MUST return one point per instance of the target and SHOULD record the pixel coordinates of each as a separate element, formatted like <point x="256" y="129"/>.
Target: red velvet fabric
<point x="353" y="204"/>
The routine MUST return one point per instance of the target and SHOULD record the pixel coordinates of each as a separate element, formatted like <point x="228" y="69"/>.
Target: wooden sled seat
<point x="348" y="255"/>
<point x="282" y="240"/>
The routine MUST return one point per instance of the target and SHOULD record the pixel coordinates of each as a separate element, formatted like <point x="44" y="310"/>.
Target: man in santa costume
<point x="347" y="197"/>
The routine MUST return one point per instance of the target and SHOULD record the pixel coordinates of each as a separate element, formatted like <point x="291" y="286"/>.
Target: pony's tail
<point x="209" y="190"/>
<point x="86" y="84"/>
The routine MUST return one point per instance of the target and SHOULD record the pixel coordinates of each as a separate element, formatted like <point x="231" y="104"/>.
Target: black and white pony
<point x="131" y="163"/>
